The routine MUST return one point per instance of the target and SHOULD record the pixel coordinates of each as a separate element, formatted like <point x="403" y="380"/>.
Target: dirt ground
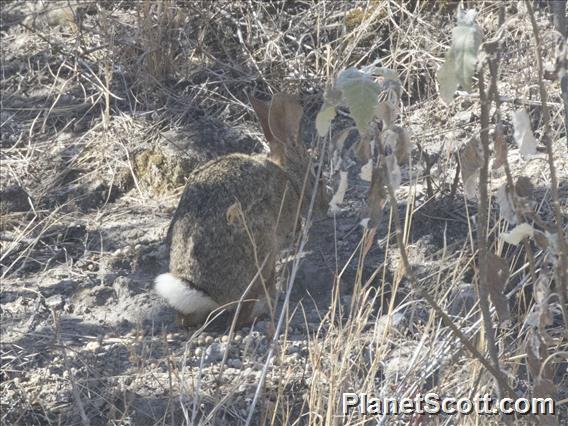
<point x="92" y="170"/>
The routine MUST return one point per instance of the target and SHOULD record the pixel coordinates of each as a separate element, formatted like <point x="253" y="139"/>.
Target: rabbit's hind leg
<point x="266" y="302"/>
<point x="263" y="301"/>
<point x="191" y="320"/>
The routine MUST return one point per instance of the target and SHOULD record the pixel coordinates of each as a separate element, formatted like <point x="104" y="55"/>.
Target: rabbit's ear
<point x="262" y="109"/>
<point x="285" y="117"/>
<point x="277" y="150"/>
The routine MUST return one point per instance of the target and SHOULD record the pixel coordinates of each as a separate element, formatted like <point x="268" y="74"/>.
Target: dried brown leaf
<point x="402" y="150"/>
<point x="542" y="304"/>
<point x="536" y="351"/>
<point x="369" y="240"/>
<point x="385" y="112"/>
<point x="505" y="202"/>
<point x="543" y="385"/>
<point x="524" y="187"/>
<point x="339" y="140"/>
<point x="500" y="146"/>
<point x="540" y="240"/>
<point x="497" y="276"/>
<point x="377" y="196"/>
<point x="394" y="175"/>
<point x="398" y="140"/>
<point x="471" y="160"/>
<point x="363" y="150"/>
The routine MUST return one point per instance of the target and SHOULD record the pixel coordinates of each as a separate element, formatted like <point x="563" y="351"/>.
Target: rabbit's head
<point x="280" y="120"/>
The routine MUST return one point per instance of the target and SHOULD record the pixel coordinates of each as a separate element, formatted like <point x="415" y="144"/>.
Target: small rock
<point x="209" y="340"/>
<point x="225" y="339"/>
<point x="93" y="346"/>
<point x="291" y="359"/>
<point x="214" y="353"/>
<point x="198" y="352"/>
<point x="247" y="388"/>
<point x="249" y="340"/>
<point x="55" y="302"/>
<point x="235" y="363"/>
<point x="293" y="349"/>
<point x="14" y="199"/>
<point x="464" y="116"/>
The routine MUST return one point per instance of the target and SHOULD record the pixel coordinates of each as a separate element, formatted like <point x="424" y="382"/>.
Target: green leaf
<point x="461" y="58"/>
<point x="360" y="93"/>
<point x="324" y="118"/>
<point x="465" y="44"/>
<point x="447" y="79"/>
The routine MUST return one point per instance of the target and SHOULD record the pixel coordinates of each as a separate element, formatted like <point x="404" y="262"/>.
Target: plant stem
<point x="562" y="265"/>
<point x="482" y="240"/>
<point x="437" y="308"/>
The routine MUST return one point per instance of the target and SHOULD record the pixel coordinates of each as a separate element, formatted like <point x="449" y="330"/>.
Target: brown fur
<point x="219" y="256"/>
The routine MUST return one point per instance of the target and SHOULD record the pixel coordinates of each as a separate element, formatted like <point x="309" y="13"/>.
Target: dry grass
<point x="84" y="90"/>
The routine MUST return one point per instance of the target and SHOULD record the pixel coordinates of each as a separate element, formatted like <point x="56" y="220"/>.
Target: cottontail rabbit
<point x="235" y="215"/>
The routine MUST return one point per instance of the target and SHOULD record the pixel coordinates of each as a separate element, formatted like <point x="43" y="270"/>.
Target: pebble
<point x="247" y="388"/>
<point x="291" y="359"/>
<point x="209" y="340"/>
<point x="214" y="353"/>
<point x="225" y="339"/>
<point x="92" y="346"/>
<point x="293" y="349"/>
<point x="198" y="352"/>
<point x="55" y="302"/>
<point x="238" y="338"/>
<point x="200" y="341"/>
<point x="249" y="339"/>
<point x="235" y="363"/>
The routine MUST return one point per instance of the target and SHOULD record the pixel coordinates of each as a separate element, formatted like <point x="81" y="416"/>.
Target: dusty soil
<point x="86" y="202"/>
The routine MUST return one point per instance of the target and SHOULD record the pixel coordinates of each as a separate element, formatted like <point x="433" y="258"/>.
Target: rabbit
<point x="235" y="215"/>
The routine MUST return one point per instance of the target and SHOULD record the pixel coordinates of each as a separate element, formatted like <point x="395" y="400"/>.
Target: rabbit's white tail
<point x="182" y="297"/>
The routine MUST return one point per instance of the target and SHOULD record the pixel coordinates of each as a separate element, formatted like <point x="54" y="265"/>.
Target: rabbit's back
<point x="211" y="249"/>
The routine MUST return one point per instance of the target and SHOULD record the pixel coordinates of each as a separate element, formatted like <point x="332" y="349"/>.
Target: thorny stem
<point x="562" y="267"/>
<point x="493" y="60"/>
<point x="482" y="242"/>
<point x="437" y="308"/>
